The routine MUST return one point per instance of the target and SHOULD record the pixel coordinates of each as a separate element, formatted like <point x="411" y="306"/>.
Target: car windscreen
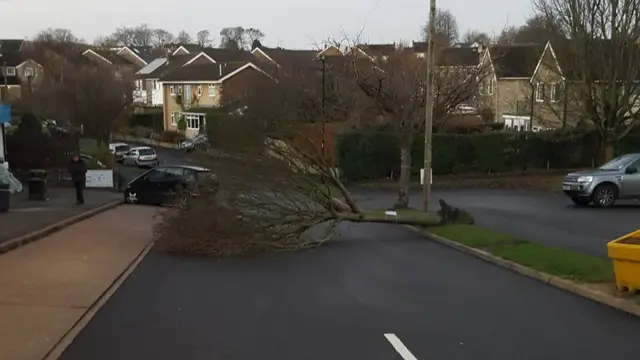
<point x="144" y="152"/>
<point x="618" y="163"/>
<point x="122" y="148"/>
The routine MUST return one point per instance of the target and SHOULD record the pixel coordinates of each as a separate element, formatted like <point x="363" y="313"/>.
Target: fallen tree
<point x="273" y="189"/>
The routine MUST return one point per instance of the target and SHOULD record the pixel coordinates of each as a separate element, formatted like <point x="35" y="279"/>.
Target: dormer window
<point x="11" y="71"/>
<point x="28" y="72"/>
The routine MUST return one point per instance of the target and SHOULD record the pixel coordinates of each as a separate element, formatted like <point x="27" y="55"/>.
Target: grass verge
<point x="551" y="260"/>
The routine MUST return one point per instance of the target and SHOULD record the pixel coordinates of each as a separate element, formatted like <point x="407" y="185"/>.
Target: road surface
<point x="550" y="219"/>
<point x="379" y="292"/>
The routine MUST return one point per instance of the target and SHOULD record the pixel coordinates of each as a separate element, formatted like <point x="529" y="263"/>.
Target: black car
<point x="156" y="186"/>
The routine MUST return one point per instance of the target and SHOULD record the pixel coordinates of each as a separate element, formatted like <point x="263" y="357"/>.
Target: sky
<point x="287" y="23"/>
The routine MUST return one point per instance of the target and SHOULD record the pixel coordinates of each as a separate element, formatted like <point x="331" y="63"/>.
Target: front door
<point x="631" y="182"/>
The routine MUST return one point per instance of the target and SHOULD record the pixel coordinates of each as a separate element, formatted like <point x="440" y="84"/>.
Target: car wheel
<point x="605" y="195"/>
<point x="579" y="201"/>
<point x="130" y="198"/>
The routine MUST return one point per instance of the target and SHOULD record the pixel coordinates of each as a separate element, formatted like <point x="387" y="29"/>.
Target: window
<point x="539" y="92"/>
<point x="489" y="87"/>
<point x="187" y="93"/>
<point x="199" y="90"/>
<point x="138" y="84"/>
<point x="172" y="90"/>
<point x="179" y="89"/>
<point x="28" y="72"/>
<point x="157" y="174"/>
<point x="174" y="172"/>
<point x="11" y="71"/>
<point x="155" y="84"/>
<point x="145" y="152"/>
<point x="175" y="116"/>
<point x="193" y="121"/>
<point x="118" y="74"/>
<point x="212" y="90"/>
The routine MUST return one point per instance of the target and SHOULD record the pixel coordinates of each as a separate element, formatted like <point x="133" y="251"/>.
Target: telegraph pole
<point x="428" y="119"/>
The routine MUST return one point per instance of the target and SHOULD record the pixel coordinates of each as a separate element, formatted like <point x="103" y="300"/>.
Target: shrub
<point x="141" y="132"/>
<point x="170" y="136"/>
<point x="100" y="155"/>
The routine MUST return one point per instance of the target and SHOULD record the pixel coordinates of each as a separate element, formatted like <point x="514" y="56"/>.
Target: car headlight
<point x="585" y="179"/>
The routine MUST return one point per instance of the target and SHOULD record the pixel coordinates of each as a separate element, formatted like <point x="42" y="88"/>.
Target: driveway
<point x="378" y="291"/>
<point x="550" y="219"/>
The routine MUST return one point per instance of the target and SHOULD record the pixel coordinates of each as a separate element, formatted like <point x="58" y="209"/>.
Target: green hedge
<point x="375" y="155"/>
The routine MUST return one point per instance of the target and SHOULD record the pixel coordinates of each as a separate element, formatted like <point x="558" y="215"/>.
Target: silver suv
<point x="617" y="179"/>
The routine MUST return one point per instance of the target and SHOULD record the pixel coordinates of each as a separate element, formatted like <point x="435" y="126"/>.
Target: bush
<point x="141" y="132"/>
<point x="375" y="155"/>
<point x="100" y="155"/>
<point x="170" y="136"/>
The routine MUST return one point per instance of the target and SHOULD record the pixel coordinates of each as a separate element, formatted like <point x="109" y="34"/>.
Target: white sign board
<point x="99" y="179"/>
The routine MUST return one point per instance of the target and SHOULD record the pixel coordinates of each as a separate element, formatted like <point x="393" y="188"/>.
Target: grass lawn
<point x="551" y="260"/>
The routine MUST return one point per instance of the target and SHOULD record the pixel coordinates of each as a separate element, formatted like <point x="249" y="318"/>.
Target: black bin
<point x="4" y="197"/>
<point x="37" y="185"/>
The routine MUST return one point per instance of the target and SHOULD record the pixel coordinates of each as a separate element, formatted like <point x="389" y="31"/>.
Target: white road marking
<point x="399" y="346"/>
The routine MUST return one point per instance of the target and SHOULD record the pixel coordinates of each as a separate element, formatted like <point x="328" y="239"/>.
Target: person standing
<point x="78" y="172"/>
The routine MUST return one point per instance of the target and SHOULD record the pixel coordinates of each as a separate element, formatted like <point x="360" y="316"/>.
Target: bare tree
<point x="162" y="38"/>
<point x="446" y="28"/>
<point x="537" y="29"/>
<point x="105" y="41"/>
<point x="57" y="35"/>
<point x="124" y="35"/>
<point x="397" y="85"/>
<point x="142" y="35"/>
<point x="184" y="38"/>
<point x="253" y="34"/>
<point x="233" y="38"/>
<point x="600" y="61"/>
<point x="100" y="99"/>
<point x="472" y="36"/>
<point x="273" y="190"/>
<point x="203" y="38"/>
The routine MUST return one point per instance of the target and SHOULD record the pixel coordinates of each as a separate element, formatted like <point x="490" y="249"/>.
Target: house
<point x="201" y="84"/>
<point x="507" y="90"/>
<point x="148" y="88"/>
<point x="18" y="72"/>
<point x="373" y="51"/>
<point x="184" y="49"/>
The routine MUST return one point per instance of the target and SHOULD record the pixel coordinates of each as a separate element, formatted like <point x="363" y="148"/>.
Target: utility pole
<point x="428" y="119"/>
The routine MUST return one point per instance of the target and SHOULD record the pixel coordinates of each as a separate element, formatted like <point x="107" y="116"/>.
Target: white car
<point x="142" y="156"/>
<point x="118" y="150"/>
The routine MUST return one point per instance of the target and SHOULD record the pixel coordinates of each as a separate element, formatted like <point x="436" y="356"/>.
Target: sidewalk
<point x="47" y="286"/>
<point x="26" y="216"/>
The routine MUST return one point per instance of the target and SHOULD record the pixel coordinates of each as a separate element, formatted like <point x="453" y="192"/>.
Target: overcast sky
<point x="287" y="23"/>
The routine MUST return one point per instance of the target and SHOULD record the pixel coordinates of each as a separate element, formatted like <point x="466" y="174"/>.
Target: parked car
<point x="617" y="179"/>
<point x="155" y="186"/>
<point x="200" y="142"/>
<point x="118" y="150"/>
<point x="142" y="156"/>
<point x="88" y="160"/>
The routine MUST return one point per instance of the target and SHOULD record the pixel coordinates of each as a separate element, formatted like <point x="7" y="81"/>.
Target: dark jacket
<point x="78" y="170"/>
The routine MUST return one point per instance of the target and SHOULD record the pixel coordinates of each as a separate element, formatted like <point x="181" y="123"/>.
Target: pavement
<point x="47" y="286"/>
<point x="378" y="292"/>
<point x="547" y="218"/>
<point x="26" y="216"/>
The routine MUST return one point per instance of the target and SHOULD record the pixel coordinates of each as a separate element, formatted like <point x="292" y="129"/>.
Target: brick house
<point x="19" y="73"/>
<point x="200" y="85"/>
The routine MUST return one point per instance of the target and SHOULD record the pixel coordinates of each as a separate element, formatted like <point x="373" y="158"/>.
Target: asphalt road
<point x="165" y="156"/>
<point x="378" y="292"/>
<point x="550" y="219"/>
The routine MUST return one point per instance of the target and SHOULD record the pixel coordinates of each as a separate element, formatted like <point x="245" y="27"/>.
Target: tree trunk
<point x="405" y="175"/>
<point x="605" y="150"/>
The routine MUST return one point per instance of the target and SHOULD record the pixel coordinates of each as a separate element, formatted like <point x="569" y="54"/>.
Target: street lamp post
<point x="428" y="120"/>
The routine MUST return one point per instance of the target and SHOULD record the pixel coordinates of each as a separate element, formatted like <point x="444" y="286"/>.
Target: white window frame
<point x="180" y="90"/>
<point x="155" y="84"/>
<point x="199" y="90"/>
<point x="28" y="71"/>
<point x="552" y="92"/>
<point x="172" y="90"/>
<point x="190" y="118"/>
<point x="175" y="116"/>
<point x="211" y="90"/>
<point x="489" y="87"/>
<point x="11" y="71"/>
<point x="539" y="92"/>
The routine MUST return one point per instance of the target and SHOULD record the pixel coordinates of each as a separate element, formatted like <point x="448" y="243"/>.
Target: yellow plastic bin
<point x="625" y="254"/>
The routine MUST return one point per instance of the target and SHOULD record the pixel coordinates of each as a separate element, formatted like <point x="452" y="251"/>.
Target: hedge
<point x="375" y="155"/>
